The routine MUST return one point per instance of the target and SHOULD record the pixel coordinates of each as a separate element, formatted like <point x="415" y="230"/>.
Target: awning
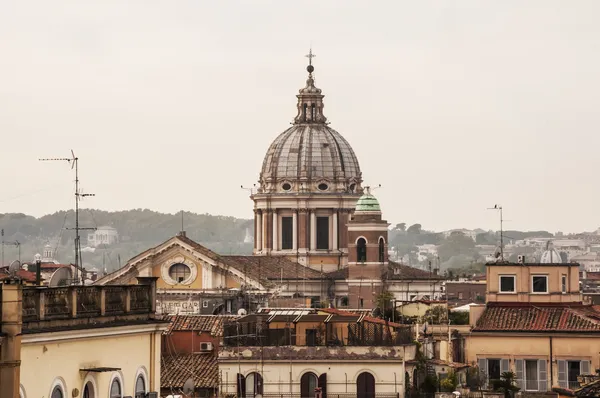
<point x="99" y="369"/>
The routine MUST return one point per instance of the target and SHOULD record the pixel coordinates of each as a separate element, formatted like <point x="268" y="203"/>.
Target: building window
<point x="179" y="272"/>
<point x="361" y="303"/>
<point x="563" y="283"/>
<point x="254" y="385"/>
<point x="507" y="284"/>
<point x="532" y="374"/>
<point x="460" y="295"/>
<point x="568" y="371"/>
<point x="115" y="389"/>
<point x="140" y="387"/>
<point x="88" y="390"/>
<point x="381" y="250"/>
<point x="308" y="384"/>
<point x="365" y="385"/>
<point x="361" y="250"/>
<point x="492" y="368"/>
<point x="539" y="284"/>
<point x="322" y="233"/>
<point x="287" y="233"/>
<point x="205" y="304"/>
<point x="57" y="392"/>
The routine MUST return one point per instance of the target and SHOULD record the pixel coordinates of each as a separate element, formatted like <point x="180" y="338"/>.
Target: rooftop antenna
<point x="2" y="263"/>
<point x="15" y="243"/>
<point x="499" y="208"/>
<point x="252" y="189"/>
<point x="74" y="162"/>
<point x="181" y="220"/>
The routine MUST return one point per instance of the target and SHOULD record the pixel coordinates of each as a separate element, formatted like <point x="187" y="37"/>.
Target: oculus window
<point x="507" y="284"/>
<point x="179" y="272"/>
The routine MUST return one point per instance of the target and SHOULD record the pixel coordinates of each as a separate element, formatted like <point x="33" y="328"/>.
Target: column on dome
<point x="335" y="229"/>
<point x="258" y="217"/>
<point x="313" y="230"/>
<point x="275" y="231"/>
<point x="294" y="229"/>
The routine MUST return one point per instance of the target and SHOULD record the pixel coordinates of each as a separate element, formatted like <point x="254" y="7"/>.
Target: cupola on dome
<point x="367" y="203"/>
<point x="310" y="156"/>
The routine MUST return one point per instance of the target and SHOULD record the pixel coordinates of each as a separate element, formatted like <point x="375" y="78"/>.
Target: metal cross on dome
<point x="310" y="56"/>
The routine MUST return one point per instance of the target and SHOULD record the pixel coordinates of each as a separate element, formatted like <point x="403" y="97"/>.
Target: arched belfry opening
<point x="361" y="250"/>
<point x="381" y="249"/>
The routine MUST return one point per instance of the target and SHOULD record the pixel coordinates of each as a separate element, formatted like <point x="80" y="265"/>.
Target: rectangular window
<point x="287" y="233"/>
<point x="574" y="370"/>
<point x="539" y="284"/>
<point x="563" y="283"/>
<point x="460" y="295"/>
<point x="205" y="304"/>
<point x="322" y="233"/>
<point x="531" y="375"/>
<point x="507" y="284"/>
<point x="493" y="369"/>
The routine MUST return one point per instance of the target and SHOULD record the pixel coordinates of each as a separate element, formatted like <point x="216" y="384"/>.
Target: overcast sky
<point x="451" y="106"/>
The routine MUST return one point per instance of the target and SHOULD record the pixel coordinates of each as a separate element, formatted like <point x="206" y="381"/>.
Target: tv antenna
<point x="17" y="244"/>
<point x="499" y="208"/>
<point x="74" y="162"/>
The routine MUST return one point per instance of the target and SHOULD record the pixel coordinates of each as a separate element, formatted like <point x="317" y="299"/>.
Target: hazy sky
<point x="451" y="106"/>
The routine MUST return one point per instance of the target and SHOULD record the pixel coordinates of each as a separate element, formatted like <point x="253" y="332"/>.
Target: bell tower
<point x="367" y="252"/>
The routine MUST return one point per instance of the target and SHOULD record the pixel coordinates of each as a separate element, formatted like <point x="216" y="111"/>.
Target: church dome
<point x="367" y="203"/>
<point x="310" y="156"/>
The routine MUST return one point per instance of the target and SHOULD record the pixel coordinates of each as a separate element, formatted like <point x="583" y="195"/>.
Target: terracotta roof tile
<point x="270" y="268"/>
<point x="538" y="318"/>
<point x="25" y="275"/>
<point x="176" y="369"/>
<point x="407" y="272"/>
<point x="212" y="324"/>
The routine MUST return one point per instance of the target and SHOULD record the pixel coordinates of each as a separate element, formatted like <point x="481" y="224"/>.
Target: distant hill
<point x="138" y="230"/>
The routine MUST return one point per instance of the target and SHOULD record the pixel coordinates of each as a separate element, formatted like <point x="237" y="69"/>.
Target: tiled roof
<point x="22" y="274"/>
<point x="538" y="318"/>
<point x="589" y="390"/>
<point x="212" y="324"/>
<point x="407" y="272"/>
<point x="176" y="369"/>
<point x="271" y="268"/>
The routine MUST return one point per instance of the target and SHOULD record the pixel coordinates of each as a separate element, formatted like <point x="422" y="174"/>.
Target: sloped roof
<point x="176" y="369"/>
<point x="538" y="318"/>
<point x="212" y="324"/>
<point x="272" y="268"/>
<point x="407" y="272"/>
<point x="22" y="274"/>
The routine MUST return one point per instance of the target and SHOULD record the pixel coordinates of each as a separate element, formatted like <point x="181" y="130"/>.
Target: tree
<point x="450" y="382"/>
<point x="459" y="318"/>
<point x="456" y="244"/>
<point x="507" y="384"/>
<point x="414" y="229"/>
<point x="401" y="227"/>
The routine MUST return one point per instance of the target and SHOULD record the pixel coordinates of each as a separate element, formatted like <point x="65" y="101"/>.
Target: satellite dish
<point x="242" y="312"/>
<point x="497" y="252"/>
<point x="189" y="386"/>
<point x="60" y="277"/>
<point x="14" y="267"/>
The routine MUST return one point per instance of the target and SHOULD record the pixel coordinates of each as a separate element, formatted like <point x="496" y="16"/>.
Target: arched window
<point x="115" y="389"/>
<point x="88" y="390"/>
<point x="312" y="112"/>
<point x="361" y="250"/>
<point x="140" y="387"/>
<point x="381" y="250"/>
<point x="254" y="385"/>
<point x="57" y="392"/>
<point x="308" y="384"/>
<point x="304" y="112"/>
<point x="365" y="385"/>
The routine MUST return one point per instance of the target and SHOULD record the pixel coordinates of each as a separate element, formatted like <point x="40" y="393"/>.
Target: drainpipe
<point x="551" y="365"/>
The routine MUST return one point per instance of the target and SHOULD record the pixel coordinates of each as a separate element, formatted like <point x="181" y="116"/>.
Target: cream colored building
<point x="80" y="341"/>
<point x="536" y="325"/>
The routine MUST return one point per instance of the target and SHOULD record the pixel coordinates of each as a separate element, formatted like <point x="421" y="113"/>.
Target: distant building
<point x="463" y="292"/>
<point x="103" y="236"/>
<point x="466" y="232"/>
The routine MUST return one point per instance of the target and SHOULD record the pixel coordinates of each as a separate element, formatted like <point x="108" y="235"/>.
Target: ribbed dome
<point x="310" y="156"/>
<point x="367" y="203"/>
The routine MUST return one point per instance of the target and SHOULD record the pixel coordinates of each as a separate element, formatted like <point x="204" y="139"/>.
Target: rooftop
<point x="517" y="317"/>
<point x="212" y="324"/>
<point x="175" y="370"/>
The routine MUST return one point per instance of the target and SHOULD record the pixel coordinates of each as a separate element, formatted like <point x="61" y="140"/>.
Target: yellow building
<point x="536" y="325"/>
<point x="80" y="341"/>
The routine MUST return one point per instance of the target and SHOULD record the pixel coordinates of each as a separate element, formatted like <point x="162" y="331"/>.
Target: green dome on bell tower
<point x="367" y="202"/>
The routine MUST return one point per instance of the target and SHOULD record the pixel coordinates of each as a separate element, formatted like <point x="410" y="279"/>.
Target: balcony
<point x="72" y="306"/>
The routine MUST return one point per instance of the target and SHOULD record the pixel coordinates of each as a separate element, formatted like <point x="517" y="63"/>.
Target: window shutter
<point x="519" y="366"/>
<point x="542" y="375"/>
<point x="562" y="374"/>
<point x="323" y="384"/>
<point x="504" y="366"/>
<point x="584" y="367"/>
<point x="482" y="364"/>
<point x="241" y="385"/>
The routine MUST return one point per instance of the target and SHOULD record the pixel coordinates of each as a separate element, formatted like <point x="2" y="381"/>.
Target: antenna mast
<point x="499" y="208"/>
<point x="74" y="161"/>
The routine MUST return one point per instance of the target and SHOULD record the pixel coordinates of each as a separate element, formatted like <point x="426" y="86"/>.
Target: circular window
<point x="286" y="186"/>
<point x="323" y="187"/>
<point x="179" y="272"/>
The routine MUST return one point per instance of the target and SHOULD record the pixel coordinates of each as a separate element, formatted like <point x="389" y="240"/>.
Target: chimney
<point x="181" y="233"/>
